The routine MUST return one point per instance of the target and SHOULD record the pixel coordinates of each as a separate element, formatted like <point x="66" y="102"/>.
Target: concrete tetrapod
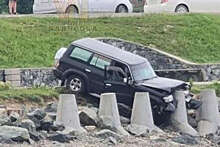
<point x="179" y="117"/>
<point x="208" y="114"/>
<point x="109" y="114"/>
<point x="141" y="118"/>
<point x="67" y="114"/>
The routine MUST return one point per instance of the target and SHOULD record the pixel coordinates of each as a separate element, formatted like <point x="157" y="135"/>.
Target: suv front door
<point x="116" y="83"/>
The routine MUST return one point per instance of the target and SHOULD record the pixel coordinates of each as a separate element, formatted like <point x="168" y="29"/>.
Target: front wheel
<point x="75" y="84"/>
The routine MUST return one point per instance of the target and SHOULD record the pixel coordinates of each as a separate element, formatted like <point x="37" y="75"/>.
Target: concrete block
<point x="67" y="114"/>
<point x="109" y="114"/>
<point x="208" y="114"/>
<point x="179" y="117"/>
<point x="141" y="118"/>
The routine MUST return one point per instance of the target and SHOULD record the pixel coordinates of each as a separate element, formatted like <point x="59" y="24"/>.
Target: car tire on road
<point x="75" y="84"/>
<point x="181" y="9"/>
<point x="121" y="9"/>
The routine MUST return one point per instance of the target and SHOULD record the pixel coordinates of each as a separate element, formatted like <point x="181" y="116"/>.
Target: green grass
<point x="32" y="42"/>
<point x="197" y="88"/>
<point x="36" y="95"/>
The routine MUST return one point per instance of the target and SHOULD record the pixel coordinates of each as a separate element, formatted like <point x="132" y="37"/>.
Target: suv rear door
<point x="96" y="72"/>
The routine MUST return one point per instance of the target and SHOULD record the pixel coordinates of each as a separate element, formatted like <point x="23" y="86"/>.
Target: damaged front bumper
<point x="191" y="103"/>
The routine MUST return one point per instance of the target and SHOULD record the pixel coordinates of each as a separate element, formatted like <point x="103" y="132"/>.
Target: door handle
<point x="87" y="70"/>
<point x="109" y="85"/>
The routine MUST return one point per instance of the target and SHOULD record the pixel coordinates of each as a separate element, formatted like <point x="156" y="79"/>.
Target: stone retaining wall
<point x="164" y="65"/>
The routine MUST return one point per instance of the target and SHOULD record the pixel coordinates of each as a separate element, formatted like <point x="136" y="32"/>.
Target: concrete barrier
<point x="109" y="114"/>
<point x="67" y="114"/>
<point x="208" y="114"/>
<point x="141" y="118"/>
<point x="179" y="117"/>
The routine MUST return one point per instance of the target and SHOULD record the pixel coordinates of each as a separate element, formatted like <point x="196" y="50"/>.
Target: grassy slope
<point x="32" y="42"/>
<point x="37" y="95"/>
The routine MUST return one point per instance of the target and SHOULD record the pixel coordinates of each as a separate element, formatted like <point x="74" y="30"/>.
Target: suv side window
<point x="81" y="54"/>
<point x="100" y="61"/>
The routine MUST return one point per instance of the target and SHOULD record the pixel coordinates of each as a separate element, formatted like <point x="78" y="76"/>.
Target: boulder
<point x="105" y="133"/>
<point x="14" y="116"/>
<point x="5" y="140"/>
<point x="185" y="139"/>
<point x="36" y="116"/>
<point x="4" y="120"/>
<point x="16" y="134"/>
<point x="88" y="117"/>
<point x="52" y="115"/>
<point x="62" y="138"/>
<point x="28" y="124"/>
<point x="37" y="113"/>
<point x="51" y="107"/>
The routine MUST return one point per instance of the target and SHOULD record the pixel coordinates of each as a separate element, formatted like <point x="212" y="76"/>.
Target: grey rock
<point x="4" y="120"/>
<point x="16" y="134"/>
<point x="35" y="136"/>
<point x="105" y="133"/>
<point x="88" y="117"/>
<point x="215" y="138"/>
<point x="37" y="113"/>
<point x="192" y="121"/>
<point x="185" y="139"/>
<point x="112" y="140"/>
<point x="51" y="107"/>
<point x="36" y="116"/>
<point x="28" y="124"/>
<point x="62" y="138"/>
<point x="14" y="116"/>
<point x="52" y="116"/>
<point x="6" y="140"/>
<point x="138" y="130"/>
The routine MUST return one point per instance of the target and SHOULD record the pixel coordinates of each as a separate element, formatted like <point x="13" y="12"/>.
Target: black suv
<point x="94" y="67"/>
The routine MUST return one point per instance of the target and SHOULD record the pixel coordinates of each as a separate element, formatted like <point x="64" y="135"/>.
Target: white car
<point x="78" y="6"/>
<point x="182" y="6"/>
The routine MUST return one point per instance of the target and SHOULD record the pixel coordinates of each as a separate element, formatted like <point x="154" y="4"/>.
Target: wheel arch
<point x="70" y="72"/>
<point x="70" y="5"/>
<point x="182" y="4"/>
<point x="121" y="4"/>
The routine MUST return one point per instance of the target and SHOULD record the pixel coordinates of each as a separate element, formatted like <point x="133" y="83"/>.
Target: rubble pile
<point x="39" y="125"/>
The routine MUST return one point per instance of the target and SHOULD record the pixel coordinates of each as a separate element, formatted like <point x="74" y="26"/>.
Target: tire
<point x="75" y="84"/>
<point x="181" y="9"/>
<point x="160" y="118"/>
<point x="121" y="9"/>
<point x="72" y="10"/>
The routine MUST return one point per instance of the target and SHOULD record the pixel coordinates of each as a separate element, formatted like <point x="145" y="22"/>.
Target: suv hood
<point x="162" y="83"/>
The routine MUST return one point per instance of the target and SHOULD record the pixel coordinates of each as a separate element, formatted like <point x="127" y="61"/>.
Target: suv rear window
<point x="81" y="54"/>
<point x="100" y="61"/>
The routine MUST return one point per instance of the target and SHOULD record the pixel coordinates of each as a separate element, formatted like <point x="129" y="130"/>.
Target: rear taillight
<point x="57" y="63"/>
<point x="164" y="1"/>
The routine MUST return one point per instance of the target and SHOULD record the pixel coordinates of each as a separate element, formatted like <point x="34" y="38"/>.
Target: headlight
<point x="168" y="99"/>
